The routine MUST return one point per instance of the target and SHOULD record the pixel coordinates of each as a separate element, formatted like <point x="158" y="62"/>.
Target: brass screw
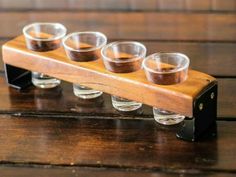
<point x="201" y="106"/>
<point x="212" y="95"/>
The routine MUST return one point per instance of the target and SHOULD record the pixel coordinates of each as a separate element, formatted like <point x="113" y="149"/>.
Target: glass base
<point x="44" y="81"/>
<point x="123" y="104"/>
<point x="85" y="92"/>
<point x="166" y="117"/>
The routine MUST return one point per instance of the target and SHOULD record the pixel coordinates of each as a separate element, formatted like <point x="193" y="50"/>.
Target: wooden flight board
<point x="178" y="98"/>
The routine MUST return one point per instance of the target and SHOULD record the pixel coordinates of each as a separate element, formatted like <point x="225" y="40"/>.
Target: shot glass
<point x="84" y="47"/>
<point x="123" y="57"/>
<point x="43" y="37"/>
<point x="166" y="69"/>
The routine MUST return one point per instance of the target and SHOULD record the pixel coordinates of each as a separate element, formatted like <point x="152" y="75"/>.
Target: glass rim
<point x="44" y="23"/>
<point x="185" y="66"/>
<point x="84" y="32"/>
<point x="142" y="56"/>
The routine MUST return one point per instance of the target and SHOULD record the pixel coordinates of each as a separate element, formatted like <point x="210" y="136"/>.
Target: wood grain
<point x="128" y="5"/>
<point x="227" y="95"/>
<point x="58" y="101"/>
<point x="136" y="25"/>
<point x="94" y="75"/>
<point x="1" y="61"/>
<point x="216" y="59"/>
<point x="61" y="101"/>
<point x="99" y="172"/>
<point x="109" y="143"/>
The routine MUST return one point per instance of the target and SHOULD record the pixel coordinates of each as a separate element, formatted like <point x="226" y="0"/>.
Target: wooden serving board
<point x="178" y="98"/>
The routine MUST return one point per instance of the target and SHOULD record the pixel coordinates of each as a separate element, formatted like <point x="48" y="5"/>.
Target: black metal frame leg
<point x="17" y="78"/>
<point x="203" y="125"/>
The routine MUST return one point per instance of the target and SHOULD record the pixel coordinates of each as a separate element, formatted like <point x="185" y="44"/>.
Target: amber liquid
<point x="83" y="56"/>
<point x="166" y="69"/>
<point x="42" y="46"/>
<point x="121" y="58"/>
<point x="167" y="77"/>
<point x="123" y="67"/>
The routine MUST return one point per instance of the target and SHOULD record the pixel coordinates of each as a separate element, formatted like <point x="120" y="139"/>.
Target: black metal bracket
<point x="203" y="124"/>
<point x="17" y="77"/>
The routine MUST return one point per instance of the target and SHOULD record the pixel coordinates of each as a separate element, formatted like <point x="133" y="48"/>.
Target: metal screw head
<point x="200" y="106"/>
<point x="212" y="95"/>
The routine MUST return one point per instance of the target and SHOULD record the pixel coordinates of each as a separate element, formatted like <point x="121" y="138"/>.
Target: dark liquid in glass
<point x="83" y="56"/>
<point x="167" y="77"/>
<point x="117" y="66"/>
<point x="42" y="42"/>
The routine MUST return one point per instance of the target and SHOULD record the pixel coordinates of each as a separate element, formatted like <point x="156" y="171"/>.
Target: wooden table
<point x="52" y="133"/>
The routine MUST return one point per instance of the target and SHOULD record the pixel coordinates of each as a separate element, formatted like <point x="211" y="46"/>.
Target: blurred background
<point x="202" y="29"/>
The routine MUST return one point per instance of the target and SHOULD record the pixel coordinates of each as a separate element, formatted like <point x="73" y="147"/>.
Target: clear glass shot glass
<point x="166" y="69"/>
<point x="43" y="37"/>
<point x="124" y="57"/>
<point x="83" y="47"/>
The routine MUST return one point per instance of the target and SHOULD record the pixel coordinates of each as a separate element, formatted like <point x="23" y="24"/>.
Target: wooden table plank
<point x="161" y="5"/>
<point x="135" y="25"/>
<point x="139" y="144"/>
<point x="62" y="99"/>
<point x="213" y="58"/>
<point x="226" y="100"/>
<point x="100" y="172"/>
